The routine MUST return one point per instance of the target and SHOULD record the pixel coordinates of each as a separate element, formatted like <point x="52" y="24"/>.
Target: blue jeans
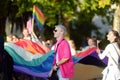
<point x="60" y="75"/>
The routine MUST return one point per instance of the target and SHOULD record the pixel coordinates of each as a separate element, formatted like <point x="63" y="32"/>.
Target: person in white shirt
<point x="112" y="51"/>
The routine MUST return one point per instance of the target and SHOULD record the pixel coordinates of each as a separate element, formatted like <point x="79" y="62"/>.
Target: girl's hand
<point x="98" y="51"/>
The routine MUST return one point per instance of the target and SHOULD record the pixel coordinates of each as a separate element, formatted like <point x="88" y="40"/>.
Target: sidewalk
<point x="87" y="72"/>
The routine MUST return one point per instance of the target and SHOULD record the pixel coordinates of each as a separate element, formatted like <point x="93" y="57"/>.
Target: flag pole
<point x="33" y="20"/>
<point x="33" y="35"/>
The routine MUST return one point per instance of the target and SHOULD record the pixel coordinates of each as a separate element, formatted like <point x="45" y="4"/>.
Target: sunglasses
<point x="55" y="30"/>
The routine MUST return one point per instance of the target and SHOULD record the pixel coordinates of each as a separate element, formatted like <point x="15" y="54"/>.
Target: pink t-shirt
<point x="63" y="51"/>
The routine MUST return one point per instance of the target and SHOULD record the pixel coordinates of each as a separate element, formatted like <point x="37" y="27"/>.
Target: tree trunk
<point x="2" y="26"/>
<point x="66" y="24"/>
<point x="116" y="22"/>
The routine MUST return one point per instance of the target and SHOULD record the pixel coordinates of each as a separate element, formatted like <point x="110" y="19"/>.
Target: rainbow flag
<point x="38" y="17"/>
<point x="39" y="64"/>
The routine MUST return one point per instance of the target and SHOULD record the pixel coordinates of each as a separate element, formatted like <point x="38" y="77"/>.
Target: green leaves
<point x="103" y="3"/>
<point x="89" y="5"/>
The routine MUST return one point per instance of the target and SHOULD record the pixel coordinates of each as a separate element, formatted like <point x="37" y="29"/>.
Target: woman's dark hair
<point x="117" y="39"/>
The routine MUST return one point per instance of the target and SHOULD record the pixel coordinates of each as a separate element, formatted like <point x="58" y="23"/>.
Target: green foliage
<point x="89" y="5"/>
<point x="52" y="9"/>
<point x="103" y="3"/>
<point x="56" y="10"/>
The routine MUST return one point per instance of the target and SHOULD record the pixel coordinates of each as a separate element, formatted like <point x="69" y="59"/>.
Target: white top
<point x="111" y="51"/>
<point x="111" y="72"/>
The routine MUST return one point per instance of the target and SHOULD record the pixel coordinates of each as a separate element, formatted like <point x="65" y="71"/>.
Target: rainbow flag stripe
<point x="38" y="17"/>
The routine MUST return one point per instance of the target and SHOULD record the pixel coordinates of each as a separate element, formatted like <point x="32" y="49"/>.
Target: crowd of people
<point x="64" y="50"/>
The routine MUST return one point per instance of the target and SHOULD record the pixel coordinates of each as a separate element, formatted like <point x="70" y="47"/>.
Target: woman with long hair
<point x="112" y="51"/>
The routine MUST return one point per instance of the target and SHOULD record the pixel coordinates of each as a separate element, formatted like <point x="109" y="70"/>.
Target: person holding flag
<point x="39" y="18"/>
<point x="63" y="62"/>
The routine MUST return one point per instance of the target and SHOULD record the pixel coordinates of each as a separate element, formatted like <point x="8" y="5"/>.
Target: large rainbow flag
<point x="38" y="17"/>
<point x="39" y="62"/>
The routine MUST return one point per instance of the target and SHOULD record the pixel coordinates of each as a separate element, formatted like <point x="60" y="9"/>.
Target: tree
<point x="116" y="22"/>
<point x="56" y="11"/>
<point x="3" y="14"/>
<point x="71" y="13"/>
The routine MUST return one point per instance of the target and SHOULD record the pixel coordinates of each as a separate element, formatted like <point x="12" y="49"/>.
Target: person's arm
<point x="104" y="53"/>
<point x="62" y="61"/>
